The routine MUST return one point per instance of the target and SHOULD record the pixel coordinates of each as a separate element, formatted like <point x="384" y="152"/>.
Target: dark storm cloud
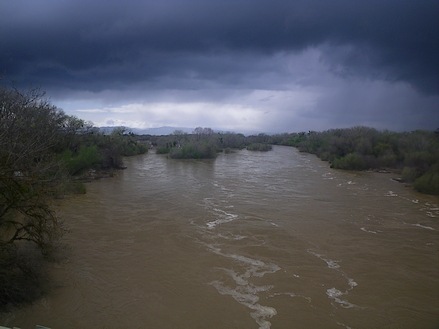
<point x="97" y="45"/>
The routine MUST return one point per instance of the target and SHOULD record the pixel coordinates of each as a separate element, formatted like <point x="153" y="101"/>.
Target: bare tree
<point x="29" y="128"/>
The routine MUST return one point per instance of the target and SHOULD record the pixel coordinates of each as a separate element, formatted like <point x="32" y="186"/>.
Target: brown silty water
<point x="249" y="240"/>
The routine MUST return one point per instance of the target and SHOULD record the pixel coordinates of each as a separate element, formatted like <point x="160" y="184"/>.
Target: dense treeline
<point x="42" y="151"/>
<point x="204" y="143"/>
<point x="414" y="154"/>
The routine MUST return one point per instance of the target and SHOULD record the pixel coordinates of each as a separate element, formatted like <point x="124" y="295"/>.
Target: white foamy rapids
<point x="245" y="292"/>
<point x="255" y="267"/>
<point x="224" y="217"/>
<point x="352" y="283"/>
<point x="333" y="264"/>
<point x="221" y="187"/>
<point x="367" y="231"/>
<point x="431" y="210"/>
<point x="292" y="295"/>
<point x="239" y="279"/>
<point x="424" y="227"/>
<point x="246" y="297"/>
<point x="244" y="284"/>
<point x="234" y="237"/>
<point x="335" y="295"/>
<point x="221" y="216"/>
<point x="391" y="194"/>
<point x="328" y="176"/>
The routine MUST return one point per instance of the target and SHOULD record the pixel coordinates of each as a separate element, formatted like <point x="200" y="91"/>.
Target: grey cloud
<point x="82" y="42"/>
<point x="361" y="62"/>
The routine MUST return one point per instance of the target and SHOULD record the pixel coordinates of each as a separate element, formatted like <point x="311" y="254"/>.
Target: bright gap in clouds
<point x="299" y="92"/>
<point x="152" y="115"/>
<point x="255" y="112"/>
<point x="273" y="93"/>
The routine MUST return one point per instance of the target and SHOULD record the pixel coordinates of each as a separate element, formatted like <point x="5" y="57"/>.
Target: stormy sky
<point x="242" y="65"/>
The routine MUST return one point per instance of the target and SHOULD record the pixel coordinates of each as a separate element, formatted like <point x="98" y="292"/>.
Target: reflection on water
<point x="249" y="240"/>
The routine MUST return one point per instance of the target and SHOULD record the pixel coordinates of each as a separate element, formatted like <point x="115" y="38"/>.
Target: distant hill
<point x="166" y="130"/>
<point x="148" y="131"/>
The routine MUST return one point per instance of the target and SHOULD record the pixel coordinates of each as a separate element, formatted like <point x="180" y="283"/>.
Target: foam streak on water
<point x="424" y="226"/>
<point x="246" y="296"/>
<point x="221" y="216"/>
<point x="367" y="231"/>
<point x="333" y="264"/>
<point x="333" y="293"/>
<point x="336" y="295"/>
<point x="244" y="291"/>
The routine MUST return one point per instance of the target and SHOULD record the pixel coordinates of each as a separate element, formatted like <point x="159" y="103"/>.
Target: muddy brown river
<point x="249" y="240"/>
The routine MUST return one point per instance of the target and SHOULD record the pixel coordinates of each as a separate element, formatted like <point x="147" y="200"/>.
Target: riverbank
<point x="414" y="154"/>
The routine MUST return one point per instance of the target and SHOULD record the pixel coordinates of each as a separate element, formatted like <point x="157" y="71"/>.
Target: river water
<point x="249" y="240"/>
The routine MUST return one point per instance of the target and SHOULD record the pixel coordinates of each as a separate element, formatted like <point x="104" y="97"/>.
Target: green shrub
<point x="194" y="150"/>
<point x="352" y="161"/>
<point x="428" y="183"/>
<point x="87" y="157"/>
<point x="381" y="148"/>
<point x="130" y="148"/>
<point x="388" y="159"/>
<point x="263" y="147"/>
<point x="163" y="150"/>
<point x="360" y="148"/>
<point x="419" y="159"/>
<point x="409" y="174"/>
<point x="325" y="156"/>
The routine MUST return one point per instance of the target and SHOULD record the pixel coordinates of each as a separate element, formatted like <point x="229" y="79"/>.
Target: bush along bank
<point x="414" y="155"/>
<point x="42" y="153"/>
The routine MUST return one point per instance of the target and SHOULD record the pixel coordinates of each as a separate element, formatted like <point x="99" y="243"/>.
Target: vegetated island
<point x="205" y="143"/>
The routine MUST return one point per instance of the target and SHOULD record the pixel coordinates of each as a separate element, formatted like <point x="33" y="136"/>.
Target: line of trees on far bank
<point x="414" y="155"/>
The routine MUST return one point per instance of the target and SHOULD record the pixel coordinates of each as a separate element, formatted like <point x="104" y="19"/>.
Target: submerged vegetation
<point x="43" y="152"/>
<point x="263" y="147"/>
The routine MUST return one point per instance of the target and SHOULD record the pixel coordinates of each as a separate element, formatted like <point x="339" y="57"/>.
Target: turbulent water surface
<point x="249" y="240"/>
